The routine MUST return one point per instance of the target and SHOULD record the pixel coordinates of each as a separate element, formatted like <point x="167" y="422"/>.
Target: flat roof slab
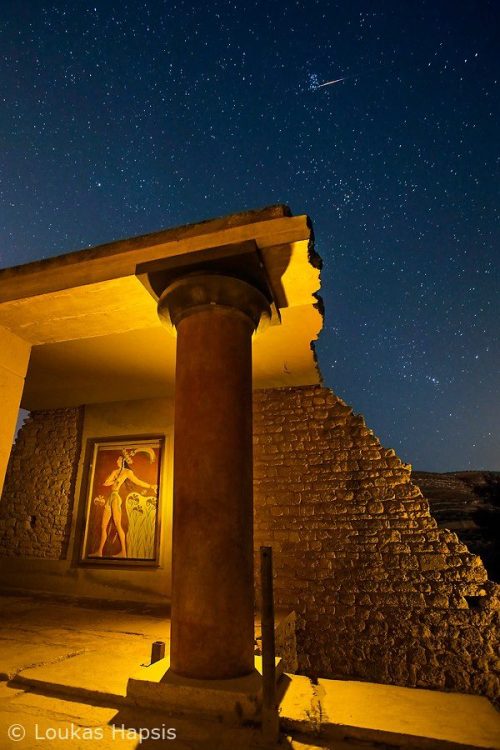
<point x="93" y="324"/>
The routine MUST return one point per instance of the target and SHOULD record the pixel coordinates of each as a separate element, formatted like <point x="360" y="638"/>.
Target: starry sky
<point x="121" y="118"/>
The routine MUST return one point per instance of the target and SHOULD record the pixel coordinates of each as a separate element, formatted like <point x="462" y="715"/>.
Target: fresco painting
<point x="122" y="519"/>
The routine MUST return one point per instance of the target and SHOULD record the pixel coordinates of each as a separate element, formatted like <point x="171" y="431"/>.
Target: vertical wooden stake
<point x="270" y="717"/>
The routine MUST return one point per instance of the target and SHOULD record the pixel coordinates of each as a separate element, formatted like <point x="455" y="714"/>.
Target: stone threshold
<point x="388" y="717"/>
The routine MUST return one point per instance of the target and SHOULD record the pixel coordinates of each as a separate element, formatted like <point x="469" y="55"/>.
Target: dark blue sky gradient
<point x="120" y="118"/>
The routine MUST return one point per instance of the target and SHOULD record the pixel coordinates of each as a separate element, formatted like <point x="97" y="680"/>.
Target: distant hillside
<point x="468" y="503"/>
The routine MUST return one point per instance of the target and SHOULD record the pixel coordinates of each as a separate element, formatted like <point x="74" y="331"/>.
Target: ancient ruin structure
<point x="88" y="346"/>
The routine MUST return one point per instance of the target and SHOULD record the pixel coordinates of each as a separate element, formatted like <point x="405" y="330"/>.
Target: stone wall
<point x="380" y="592"/>
<point x="37" y="500"/>
<point x="467" y="502"/>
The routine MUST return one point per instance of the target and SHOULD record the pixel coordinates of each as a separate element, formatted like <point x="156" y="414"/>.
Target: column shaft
<point x="212" y="588"/>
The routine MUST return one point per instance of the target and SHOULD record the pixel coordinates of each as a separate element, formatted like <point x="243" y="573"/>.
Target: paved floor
<point x="86" y="648"/>
<point x="65" y="669"/>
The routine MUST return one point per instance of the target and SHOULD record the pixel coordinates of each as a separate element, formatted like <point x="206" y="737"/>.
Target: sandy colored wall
<point x="380" y="592"/>
<point x="14" y="357"/>
<point x="42" y="506"/>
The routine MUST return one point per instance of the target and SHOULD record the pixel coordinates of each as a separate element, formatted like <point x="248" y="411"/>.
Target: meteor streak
<point x="329" y="83"/>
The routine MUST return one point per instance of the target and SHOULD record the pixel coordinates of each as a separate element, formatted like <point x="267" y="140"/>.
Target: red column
<point x="212" y="629"/>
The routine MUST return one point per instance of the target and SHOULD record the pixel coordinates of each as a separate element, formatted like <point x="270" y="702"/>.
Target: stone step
<point x="387" y="716"/>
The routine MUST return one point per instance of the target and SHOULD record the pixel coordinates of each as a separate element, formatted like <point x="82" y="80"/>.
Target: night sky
<point x="121" y="118"/>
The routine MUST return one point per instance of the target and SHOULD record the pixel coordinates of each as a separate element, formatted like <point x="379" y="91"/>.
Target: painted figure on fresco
<point x="113" y="505"/>
<point x="141" y="512"/>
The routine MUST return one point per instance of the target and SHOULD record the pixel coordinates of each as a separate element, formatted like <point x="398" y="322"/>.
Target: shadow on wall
<point x="21" y="419"/>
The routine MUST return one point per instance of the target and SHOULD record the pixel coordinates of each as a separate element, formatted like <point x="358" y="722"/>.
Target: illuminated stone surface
<point x="89" y="315"/>
<point x="380" y="592"/>
<point x="15" y="353"/>
<point x="347" y="713"/>
<point x="378" y="597"/>
<point x="387" y="716"/>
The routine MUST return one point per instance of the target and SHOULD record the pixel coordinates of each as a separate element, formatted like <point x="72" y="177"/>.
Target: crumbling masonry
<point x="380" y="592"/>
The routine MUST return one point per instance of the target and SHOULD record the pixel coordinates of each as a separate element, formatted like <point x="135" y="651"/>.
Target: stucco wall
<point x="15" y="353"/>
<point x="380" y="592"/>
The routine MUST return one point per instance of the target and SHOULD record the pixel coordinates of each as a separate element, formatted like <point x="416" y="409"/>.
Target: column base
<point x="233" y="701"/>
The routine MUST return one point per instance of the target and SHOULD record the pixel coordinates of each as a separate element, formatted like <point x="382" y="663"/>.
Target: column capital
<point x="201" y="291"/>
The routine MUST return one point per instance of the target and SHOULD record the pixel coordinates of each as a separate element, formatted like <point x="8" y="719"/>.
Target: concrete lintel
<point x="119" y="259"/>
<point x="93" y="321"/>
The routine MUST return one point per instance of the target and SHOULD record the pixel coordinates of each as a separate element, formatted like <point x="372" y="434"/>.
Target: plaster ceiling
<point x="140" y="363"/>
<point x="114" y="306"/>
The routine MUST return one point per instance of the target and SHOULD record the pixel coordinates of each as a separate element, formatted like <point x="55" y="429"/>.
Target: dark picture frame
<point x="122" y="513"/>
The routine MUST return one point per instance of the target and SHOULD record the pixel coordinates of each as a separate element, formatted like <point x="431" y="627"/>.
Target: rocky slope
<point x="468" y="503"/>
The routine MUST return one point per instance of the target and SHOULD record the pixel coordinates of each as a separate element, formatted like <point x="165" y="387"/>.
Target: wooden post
<point x="270" y="717"/>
